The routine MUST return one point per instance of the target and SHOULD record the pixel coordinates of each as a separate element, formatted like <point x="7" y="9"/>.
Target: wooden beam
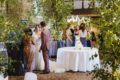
<point x="88" y="15"/>
<point x="83" y="11"/>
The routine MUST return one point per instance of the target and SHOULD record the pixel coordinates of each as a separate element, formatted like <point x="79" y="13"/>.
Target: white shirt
<point x="83" y="34"/>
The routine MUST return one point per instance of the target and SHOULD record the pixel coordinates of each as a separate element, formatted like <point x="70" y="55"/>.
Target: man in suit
<point x="45" y="46"/>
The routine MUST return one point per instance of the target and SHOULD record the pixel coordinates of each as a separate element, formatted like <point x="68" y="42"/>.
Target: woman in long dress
<point x="69" y="37"/>
<point x="83" y="34"/>
<point x="76" y="33"/>
<point x="29" y="50"/>
<point x="39" y="63"/>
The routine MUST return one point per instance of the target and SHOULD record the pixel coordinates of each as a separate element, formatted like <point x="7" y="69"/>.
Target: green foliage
<point x="11" y="28"/>
<point x="7" y="28"/>
<point x="55" y="12"/>
<point x="3" y="63"/>
<point x="10" y="21"/>
<point x="109" y="25"/>
<point x="56" y="33"/>
<point x="1" y="2"/>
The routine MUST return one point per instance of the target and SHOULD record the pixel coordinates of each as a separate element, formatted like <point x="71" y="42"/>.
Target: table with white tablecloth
<point x="78" y="60"/>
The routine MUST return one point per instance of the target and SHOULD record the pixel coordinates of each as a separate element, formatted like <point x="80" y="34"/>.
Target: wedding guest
<point x="29" y="50"/>
<point x="72" y="31"/>
<point x="93" y="39"/>
<point x="76" y="32"/>
<point x="88" y="39"/>
<point x="83" y="34"/>
<point x="68" y="36"/>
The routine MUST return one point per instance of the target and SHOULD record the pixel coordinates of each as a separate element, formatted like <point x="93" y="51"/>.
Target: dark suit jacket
<point x="45" y="37"/>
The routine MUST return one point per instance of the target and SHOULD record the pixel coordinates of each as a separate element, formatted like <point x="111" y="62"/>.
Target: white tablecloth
<point x="78" y="60"/>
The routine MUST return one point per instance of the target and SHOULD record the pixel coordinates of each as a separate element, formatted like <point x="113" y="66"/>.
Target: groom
<point x="45" y="46"/>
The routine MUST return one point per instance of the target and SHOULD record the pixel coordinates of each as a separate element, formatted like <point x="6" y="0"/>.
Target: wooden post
<point x="7" y="6"/>
<point x="82" y="4"/>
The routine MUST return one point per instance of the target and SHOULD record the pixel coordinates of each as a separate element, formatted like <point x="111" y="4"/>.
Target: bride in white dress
<point x="39" y="62"/>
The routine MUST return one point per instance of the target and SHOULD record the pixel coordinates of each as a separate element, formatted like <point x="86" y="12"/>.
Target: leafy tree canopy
<point x="109" y="39"/>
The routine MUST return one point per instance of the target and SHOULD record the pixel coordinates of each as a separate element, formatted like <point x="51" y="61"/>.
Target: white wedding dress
<point x="39" y="62"/>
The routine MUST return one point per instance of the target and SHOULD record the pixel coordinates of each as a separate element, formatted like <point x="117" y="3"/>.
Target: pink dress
<point x="29" y="52"/>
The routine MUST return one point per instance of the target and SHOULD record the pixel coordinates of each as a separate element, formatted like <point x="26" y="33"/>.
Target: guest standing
<point x="88" y="39"/>
<point x="29" y="50"/>
<point x="69" y="36"/>
<point x="45" y="46"/>
<point x="76" y="32"/>
<point x="83" y="34"/>
<point x="72" y="33"/>
<point x="93" y="39"/>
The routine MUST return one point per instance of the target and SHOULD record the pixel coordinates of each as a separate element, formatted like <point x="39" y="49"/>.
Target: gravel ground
<point x="57" y="76"/>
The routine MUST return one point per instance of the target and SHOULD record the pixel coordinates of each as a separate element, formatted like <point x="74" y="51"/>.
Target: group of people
<point x="36" y="48"/>
<point x="37" y="45"/>
<point x="83" y="34"/>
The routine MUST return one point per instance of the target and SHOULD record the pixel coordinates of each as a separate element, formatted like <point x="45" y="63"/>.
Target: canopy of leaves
<point x="10" y="20"/>
<point x="109" y="39"/>
<point x="11" y="28"/>
<point x="55" y="12"/>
